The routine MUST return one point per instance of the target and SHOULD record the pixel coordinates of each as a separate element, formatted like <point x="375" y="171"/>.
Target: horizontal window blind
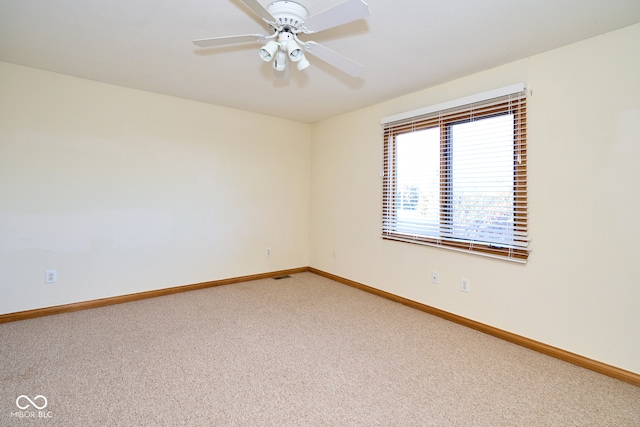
<point x="457" y="178"/>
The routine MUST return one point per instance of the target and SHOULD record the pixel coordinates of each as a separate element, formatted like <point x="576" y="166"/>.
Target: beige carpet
<point x="292" y="352"/>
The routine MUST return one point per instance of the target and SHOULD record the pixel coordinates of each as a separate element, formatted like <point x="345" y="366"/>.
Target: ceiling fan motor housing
<point x="288" y="14"/>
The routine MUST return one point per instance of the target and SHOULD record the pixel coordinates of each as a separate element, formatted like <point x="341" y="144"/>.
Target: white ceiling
<point x="405" y="46"/>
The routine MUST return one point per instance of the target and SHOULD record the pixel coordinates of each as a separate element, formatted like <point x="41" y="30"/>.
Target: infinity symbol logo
<point x="23" y="397"/>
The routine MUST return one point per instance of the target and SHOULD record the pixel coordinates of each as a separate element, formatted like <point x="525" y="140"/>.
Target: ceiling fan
<point x="287" y="19"/>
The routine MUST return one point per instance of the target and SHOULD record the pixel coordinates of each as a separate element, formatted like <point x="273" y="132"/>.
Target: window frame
<point x="513" y="103"/>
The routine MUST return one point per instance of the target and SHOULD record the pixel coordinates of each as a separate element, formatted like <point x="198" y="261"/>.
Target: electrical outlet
<point x="268" y="252"/>
<point x="434" y="277"/>
<point x="51" y="276"/>
<point x="464" y="285"/>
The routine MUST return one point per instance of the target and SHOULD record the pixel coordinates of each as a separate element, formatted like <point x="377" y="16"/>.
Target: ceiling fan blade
<point x="350" y="10"/>
<point x="333" y="58"/>
<point x="259" y="10"/>
<point x="221" y="41"/>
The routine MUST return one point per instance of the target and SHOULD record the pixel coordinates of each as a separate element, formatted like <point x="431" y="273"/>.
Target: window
<point x="455" y="175"/>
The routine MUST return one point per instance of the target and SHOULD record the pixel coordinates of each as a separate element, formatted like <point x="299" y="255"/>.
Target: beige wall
<point x="124" y="191"/>
<point x="580" y="289"/>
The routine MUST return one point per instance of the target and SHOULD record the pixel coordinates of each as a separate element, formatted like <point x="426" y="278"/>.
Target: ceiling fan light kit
<point x="287" y="19"/>
<point x="268" y="50"/>
<point x="302" y="64"/>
